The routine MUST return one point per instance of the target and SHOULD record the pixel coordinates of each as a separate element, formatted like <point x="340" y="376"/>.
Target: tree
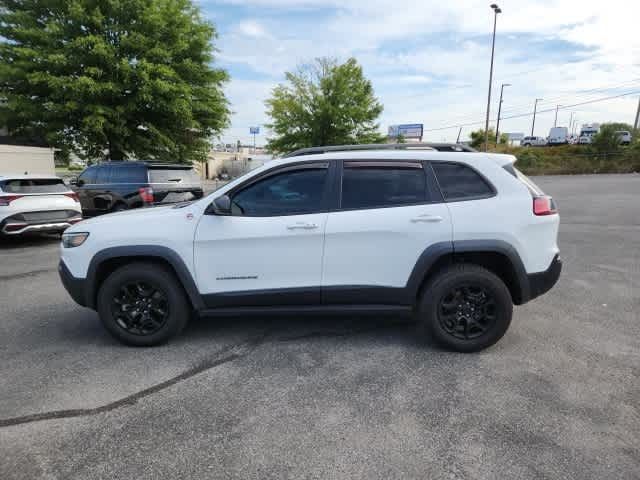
<point x="325" y="103"/>
<point x="607" y="140"/>
<point x="477" y="138"/>
<point x="111" y="78"/>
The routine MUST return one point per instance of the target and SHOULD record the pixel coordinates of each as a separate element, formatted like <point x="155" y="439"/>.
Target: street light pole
<point x="535" y="109"/>
<point x="555" y="122"/>
<point x="496" y="11"/>
<point x="636" y="124"/>
<point x="499" y="111"/>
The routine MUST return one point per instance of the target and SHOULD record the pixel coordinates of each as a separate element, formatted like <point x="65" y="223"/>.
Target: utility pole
<point x="555" y="122"/>
<point x="571" y="124"/>
<point x="496" y="11"/>
<point x="636" y="124"/>
<point x="499" y="111"/>
<point x="535" y="109"/>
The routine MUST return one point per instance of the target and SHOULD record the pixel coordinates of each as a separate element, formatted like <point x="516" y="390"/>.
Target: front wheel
<point x="143" y="304"/>
<point x="465" y="308"/>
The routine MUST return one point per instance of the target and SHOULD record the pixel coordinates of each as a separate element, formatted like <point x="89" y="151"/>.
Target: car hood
<point x="136" y="216"/>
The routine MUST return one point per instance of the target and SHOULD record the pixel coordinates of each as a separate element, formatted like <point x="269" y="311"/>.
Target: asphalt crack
<point x="26" y="274"/>
<point x="226" y="355"/>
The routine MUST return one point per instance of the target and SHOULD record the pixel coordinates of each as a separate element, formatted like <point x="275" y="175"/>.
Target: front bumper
<point x="75" y="286"/>
<point x="542" y="282"/>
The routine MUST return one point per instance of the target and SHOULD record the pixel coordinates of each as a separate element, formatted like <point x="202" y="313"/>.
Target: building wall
<point x="18" y="160"/>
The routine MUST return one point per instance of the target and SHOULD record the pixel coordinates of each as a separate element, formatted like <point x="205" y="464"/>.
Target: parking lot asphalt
<point x="332" y="398"/>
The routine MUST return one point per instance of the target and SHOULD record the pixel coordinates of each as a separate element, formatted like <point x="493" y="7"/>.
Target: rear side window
<point x="174" y="176"/>
<point x="102" y="175"/>
<point x="367" y="185"/>
<point x="34" y="185"/>
<point x="459" y="182"/>
<point x="128" y="174"/>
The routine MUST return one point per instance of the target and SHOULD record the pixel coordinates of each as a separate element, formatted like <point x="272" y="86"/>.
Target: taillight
<point x="544" y="205"/>
<point x="146" y="194"/>
<point x="73" y="195"/>
<point x="5" y="200"/>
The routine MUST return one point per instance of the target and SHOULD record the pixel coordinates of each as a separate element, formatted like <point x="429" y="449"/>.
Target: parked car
<point x="305" y="233"/>
<point x="587" y="132"/>
<point x="36" y="203"/>
<point x="558" y="136"/>
<point x="624" y="136"/>
<point x="115" y="186"/>
<point x="533" y="142"/>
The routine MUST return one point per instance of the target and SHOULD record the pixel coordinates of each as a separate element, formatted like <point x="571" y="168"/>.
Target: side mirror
<point x="221" y="205"/>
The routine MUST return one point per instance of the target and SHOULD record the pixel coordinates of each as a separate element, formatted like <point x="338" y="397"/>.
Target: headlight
<point x="70" y="240"/>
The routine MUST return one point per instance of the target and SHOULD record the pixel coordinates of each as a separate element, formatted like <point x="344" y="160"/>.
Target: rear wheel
<point x="143" y="304"/>
<point x="465" y="308"/>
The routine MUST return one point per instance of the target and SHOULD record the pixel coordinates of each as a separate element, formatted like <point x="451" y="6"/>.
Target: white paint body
<point x="36" y="202"/>
<point x="358" y="247"/>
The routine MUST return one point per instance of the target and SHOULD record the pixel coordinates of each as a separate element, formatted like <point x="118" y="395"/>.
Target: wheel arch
<point x="496" y="256"/>
<point x="108" y="260"/>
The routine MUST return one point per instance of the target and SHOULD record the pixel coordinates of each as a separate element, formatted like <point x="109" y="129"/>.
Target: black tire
<point x="450" y="287"/>
<point x="119" y="207"/>
<point x="120" y="319"/>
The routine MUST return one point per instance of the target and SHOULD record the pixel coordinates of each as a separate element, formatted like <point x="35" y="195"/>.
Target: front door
<point x="269" y="251"/>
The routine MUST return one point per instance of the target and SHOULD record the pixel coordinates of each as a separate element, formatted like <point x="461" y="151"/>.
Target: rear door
<point x="389" y="213"/>
<point x="174" y="183"/>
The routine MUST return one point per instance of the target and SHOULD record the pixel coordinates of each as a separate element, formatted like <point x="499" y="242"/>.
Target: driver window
<point x="293" y="192"/>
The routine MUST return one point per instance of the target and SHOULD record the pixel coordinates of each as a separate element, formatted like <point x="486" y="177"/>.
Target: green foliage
<point x="606" y="140"/>
<point x="477" y="138"/>
<point x="115" y="78"/>
<point x="325" y="103"/>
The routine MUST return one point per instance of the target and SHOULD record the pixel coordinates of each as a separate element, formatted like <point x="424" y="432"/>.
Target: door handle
<point x="427" y="218"/>
<point x="302" y="226"/>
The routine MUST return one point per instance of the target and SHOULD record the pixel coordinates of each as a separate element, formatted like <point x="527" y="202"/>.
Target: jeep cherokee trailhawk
<point x="453" y="238"/>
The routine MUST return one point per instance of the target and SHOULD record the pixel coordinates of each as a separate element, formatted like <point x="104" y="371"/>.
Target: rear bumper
<point x="542" y="282"/>
<point x="75" y="286"/>
<point x="54" y="221"/>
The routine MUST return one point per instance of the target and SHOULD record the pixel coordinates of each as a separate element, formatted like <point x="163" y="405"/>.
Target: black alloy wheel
<point x="467" y="312"/>
<point x="140" y="308"/>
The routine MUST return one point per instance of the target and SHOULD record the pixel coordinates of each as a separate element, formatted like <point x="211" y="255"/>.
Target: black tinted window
<point x="128" y="174"/>
<point x="287" y="193"/>
<point x="34" y="185"/>
<point x="373" y="186"/>
<point x="103" y="174"/>
<point x="88" y="176"/>
<point x="459" y="182"/>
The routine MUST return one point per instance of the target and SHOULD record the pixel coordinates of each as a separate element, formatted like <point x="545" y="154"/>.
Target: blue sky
<point x="429" y="61"/>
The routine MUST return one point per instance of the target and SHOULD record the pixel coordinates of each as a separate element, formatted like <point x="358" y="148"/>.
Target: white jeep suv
<point x="452" y="238"/>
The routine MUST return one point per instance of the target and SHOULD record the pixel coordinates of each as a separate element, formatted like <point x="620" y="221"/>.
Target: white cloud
<point x="251" y="28"/>
<point x="429" y="60"/>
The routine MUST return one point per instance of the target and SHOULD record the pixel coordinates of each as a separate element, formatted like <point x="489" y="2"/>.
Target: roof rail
<point x="440" y="147"/>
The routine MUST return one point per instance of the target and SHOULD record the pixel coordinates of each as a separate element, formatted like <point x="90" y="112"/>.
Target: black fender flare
<point x="155" y="251"/>
<point x="431" y="255"/>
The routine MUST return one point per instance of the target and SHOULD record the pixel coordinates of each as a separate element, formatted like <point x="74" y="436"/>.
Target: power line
<point x="528" y="114"/>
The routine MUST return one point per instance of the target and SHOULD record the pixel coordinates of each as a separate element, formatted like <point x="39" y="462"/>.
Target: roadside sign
<point x="515" y="137"/>
<point x="409" y="130"/>
<point x="254" y="130"/>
